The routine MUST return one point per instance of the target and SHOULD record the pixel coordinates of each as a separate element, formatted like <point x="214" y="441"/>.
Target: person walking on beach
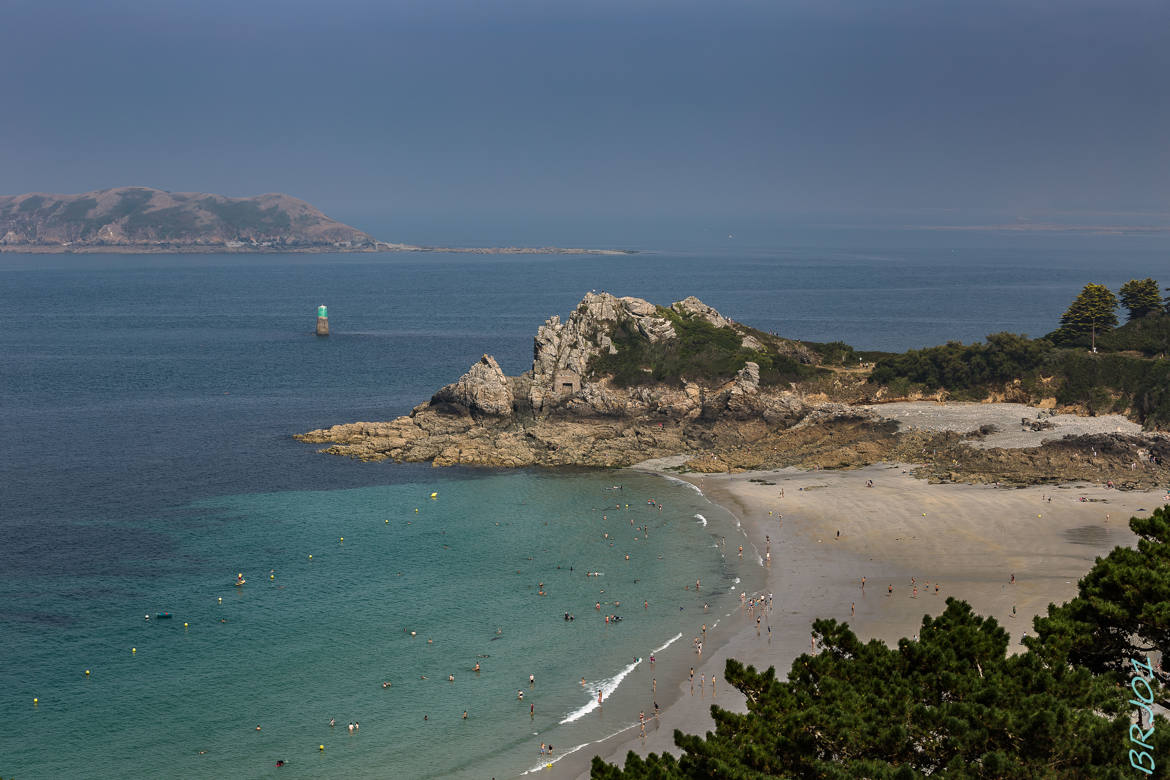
<point x="702" y="683"/>
<point x="852" y="608"/>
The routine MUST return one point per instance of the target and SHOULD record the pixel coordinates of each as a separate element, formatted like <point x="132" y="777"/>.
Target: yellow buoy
<point x="271" y="576"/>
<point x="387" y="521"/>
<point x="434" y="495"/>
<point x="184" y="625"/>
<point x="221" y="599"/>
<point x="133" y="649"/>
<point x="416" y="509"/>
<point x="320" y="747"/>
<point x="310" y="557"/>
<point x="36" y="701"/>
<point x="87" y="672"/>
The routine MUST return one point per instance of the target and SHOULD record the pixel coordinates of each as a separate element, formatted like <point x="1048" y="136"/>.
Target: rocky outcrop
<point x="558" y="413"/>
<point x="562" y="351"/>
<point x="483" y="389"/>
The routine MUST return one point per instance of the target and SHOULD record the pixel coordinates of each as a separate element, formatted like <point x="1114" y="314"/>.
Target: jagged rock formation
<point x="145" y="219"/>
<point x="484" y="389"/>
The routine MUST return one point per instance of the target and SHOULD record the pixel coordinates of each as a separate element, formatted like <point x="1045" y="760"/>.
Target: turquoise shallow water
<point x="306" y="639"/>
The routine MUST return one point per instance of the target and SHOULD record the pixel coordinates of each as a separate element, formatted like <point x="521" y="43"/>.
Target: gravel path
<point x="964" y="417"/>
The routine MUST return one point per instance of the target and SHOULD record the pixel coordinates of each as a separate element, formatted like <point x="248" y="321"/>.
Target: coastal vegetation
<point x="952" y="702"/>
<point x="1088" y="362"/>
<point x="701" y="351"/>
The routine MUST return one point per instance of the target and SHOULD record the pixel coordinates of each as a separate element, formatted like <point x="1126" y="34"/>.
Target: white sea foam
<point x="607" y="686"/>
<point x="669" y="642"/>
<point x="546" y="764"/>
<point x="610" y="684"/>
<point x="702" y="519"/>
<point x="691" y="485"/>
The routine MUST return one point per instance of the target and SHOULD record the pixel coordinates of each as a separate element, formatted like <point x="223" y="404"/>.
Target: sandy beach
<point x="967" y="540"/>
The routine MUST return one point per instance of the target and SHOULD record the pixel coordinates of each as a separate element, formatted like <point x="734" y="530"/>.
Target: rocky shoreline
<point x="563" y="412"/>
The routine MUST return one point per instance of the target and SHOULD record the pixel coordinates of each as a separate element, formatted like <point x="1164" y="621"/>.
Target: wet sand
<point x="967" y="539"/>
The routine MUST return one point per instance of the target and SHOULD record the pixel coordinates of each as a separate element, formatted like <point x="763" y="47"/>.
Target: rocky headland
<point x="623" y="381"/>
<point x="141" y="220"/>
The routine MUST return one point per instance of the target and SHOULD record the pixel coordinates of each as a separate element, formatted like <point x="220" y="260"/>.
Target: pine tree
<point x="1122" y="609"/>
<point x="1093" y="311"/>
<point x="1141" y="297"/>
<point x="953" y="703"/>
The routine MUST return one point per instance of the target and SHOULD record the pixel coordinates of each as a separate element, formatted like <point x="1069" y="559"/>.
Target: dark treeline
<point x="1088" y="361"/>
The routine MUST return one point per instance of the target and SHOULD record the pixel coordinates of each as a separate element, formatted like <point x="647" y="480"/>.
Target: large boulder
<point x="484" y="388"/>
<point x="692" y="306"/>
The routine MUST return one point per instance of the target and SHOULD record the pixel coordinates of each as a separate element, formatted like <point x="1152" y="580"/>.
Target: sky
<point x="792" y="111"/>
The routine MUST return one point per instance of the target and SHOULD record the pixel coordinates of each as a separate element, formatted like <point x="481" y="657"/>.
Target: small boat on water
<point x="164" y="616"/>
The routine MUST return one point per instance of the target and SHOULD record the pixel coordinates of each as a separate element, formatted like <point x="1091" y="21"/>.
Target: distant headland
<point x="143" y="220"/>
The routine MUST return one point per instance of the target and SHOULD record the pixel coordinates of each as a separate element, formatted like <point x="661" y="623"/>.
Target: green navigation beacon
<point x="322" y="320"/>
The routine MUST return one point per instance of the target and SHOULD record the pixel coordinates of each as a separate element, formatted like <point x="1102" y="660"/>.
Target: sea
<point x="147" y="407"/>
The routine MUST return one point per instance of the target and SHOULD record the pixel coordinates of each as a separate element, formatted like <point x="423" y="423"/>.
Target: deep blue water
<point x="146" y="409"/>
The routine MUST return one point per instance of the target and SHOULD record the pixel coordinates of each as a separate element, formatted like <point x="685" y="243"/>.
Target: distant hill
<point x="141" y="219"/>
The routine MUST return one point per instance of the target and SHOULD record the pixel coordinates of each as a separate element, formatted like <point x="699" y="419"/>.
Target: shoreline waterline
<point x="901" y="528"/>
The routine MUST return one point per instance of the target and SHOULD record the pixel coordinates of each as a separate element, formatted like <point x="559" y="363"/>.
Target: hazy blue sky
<point x="776" y="109"/>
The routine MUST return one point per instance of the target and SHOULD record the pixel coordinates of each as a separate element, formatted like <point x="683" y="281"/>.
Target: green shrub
<point x="700" y="352"/>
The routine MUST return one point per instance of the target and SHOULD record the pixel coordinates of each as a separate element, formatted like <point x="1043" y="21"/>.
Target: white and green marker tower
<point x="322" y="320"/>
